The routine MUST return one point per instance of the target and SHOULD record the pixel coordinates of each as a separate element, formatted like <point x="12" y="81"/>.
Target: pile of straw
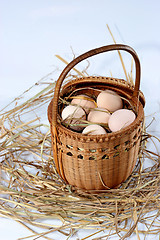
<point x="32" y="192"/>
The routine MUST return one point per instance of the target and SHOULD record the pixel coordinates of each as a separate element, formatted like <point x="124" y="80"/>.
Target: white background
<point x="33" y="31"/>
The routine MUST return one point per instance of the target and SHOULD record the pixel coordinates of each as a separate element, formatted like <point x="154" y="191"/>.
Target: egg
<point x="73" y="115"/>
<point x="110" y="100"/>
<point x="99" y="115"/>
<point x="84" y="101"/>
<point x="94" y="129"/>
<point x="121" y="119"/>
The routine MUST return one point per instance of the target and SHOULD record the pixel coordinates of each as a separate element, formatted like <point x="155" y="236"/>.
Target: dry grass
<point x="32" y="192"/>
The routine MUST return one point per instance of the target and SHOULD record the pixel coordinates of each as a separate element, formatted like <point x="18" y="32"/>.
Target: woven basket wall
<point x="96" y="162"/>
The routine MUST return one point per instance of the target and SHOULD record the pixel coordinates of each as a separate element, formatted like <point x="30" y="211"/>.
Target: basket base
<point x="93" y="191"/>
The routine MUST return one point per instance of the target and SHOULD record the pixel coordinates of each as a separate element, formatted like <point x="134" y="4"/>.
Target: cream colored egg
<point x="84" y="101"/>
<point x="110" y="100"/>
<point x="73" y="116"/>
<point x="99" y="115"/>
<point x="94" y="129"/>
<point x="121" y="119"/>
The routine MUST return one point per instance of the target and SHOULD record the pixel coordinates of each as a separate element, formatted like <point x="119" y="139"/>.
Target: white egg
<point x="99" y="115"/>
<point x="94" y="129"/>
<point x="84" y="101"/>
<point x="73" y="115"/>
<point x="121" y="119"/>
<point x="110" y="100"/>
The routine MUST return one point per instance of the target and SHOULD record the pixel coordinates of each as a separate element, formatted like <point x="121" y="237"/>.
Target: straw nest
<point x="32" y="192"/>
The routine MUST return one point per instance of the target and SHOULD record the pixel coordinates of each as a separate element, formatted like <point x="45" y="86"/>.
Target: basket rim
<point x="111" y="81"/>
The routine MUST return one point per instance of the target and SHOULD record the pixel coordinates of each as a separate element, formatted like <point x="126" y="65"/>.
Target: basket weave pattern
<point x="100" y="161"/>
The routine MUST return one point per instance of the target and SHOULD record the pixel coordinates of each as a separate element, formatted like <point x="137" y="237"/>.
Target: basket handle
<point x="90" y="54"/>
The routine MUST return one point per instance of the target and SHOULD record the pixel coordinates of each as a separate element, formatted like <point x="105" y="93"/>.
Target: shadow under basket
<point x="96" y="162"/>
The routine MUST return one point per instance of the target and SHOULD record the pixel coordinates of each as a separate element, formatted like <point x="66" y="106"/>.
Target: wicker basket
<point x="97" y="162"/>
